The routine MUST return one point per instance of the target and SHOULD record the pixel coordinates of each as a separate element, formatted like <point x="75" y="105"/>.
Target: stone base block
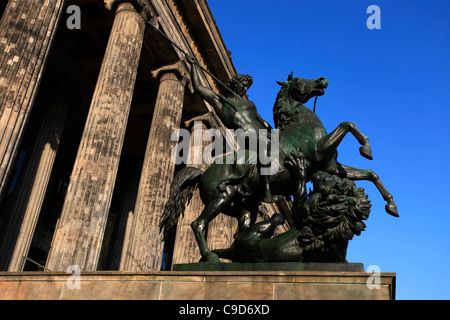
<point x="270" y="266"/>
<point x="195" y="285"/>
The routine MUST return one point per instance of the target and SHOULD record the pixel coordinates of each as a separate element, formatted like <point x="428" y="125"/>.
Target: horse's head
<point x="293" y="92"/>
<point x="301" y="90"/>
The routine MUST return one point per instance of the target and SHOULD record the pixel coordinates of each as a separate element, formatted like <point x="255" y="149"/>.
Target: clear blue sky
<point x="393" y="83"/>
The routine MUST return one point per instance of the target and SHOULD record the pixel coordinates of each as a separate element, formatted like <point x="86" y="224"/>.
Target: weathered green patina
<point x="335" y="211"/>
<point x="235" y="189"/>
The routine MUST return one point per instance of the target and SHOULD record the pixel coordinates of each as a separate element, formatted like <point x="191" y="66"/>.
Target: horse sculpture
<point x="305" y="148"/>
<point x="238" y="198"/>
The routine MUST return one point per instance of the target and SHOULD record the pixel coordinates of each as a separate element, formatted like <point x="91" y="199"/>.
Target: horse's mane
<point x="284" y="110"/>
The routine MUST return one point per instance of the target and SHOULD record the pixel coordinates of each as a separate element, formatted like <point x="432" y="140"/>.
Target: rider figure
<point x="236" y="113"/>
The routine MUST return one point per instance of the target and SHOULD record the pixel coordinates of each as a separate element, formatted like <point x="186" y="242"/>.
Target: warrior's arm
<point x="206" y="93"/>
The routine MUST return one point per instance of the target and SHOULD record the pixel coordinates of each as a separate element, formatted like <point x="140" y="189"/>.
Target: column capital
<point x="141" y="7"/>
<point x="178" y="68"/>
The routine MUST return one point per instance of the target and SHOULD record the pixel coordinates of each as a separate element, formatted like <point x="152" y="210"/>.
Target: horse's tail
<point x="181" y="190"/>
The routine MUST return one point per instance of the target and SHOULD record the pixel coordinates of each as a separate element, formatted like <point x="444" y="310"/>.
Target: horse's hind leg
<point x="244" y="220"/>
<point x="211" y="210"/>
<point x="330" y="142"/>
<point x="363" y="174"/>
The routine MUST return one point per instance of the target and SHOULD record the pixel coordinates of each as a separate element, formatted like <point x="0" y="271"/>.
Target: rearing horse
<point x="307" y="146"/>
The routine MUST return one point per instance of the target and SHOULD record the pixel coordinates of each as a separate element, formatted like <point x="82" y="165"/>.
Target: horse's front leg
<point x="366" y="174"/>
<point x="329" y="143"/>
<point x="211" y="210"/>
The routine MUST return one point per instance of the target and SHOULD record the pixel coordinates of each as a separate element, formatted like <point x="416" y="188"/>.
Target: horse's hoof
<point x="211" y="258"/>
<point x="366" y="151"/>
<point x="392" y="210"/>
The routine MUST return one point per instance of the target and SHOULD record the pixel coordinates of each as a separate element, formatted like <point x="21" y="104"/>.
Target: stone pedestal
<point x="271" y="266"/>
<point x="196" y="285"/>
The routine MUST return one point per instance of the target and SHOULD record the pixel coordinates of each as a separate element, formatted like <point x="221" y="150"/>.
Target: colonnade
<point x="80" y="230"/>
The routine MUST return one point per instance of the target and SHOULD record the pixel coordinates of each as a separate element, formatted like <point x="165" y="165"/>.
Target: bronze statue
<point x="305" y="150"/>
<point x="335" y="209"/>
<point x="238" y="198"/>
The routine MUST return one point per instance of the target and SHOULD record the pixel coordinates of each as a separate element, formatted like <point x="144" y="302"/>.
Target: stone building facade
<point x="87" y="111"/>
<point x="86" y="117"/>
<point x="90" y="93"/>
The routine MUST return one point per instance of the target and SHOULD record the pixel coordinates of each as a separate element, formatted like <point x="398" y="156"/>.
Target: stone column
<point x="146" y="246"/>
<point x="222" y="228"/>
<point x="27" y="201"/>
<point x="125" y="218"/>
<point x="79" y="233"/>
<point x="186" y="248"/>
<point x="27" y="30"/>
<point x="221" y="231"/>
